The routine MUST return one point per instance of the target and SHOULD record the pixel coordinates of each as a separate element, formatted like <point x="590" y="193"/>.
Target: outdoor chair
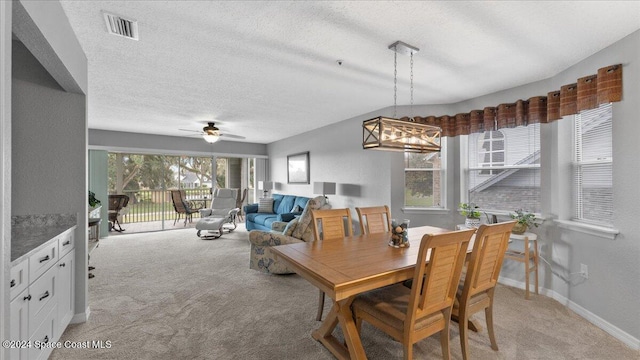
<point x="116" y="205"/>
<point x="223" y="211"/>
<point x="181" y="206"/>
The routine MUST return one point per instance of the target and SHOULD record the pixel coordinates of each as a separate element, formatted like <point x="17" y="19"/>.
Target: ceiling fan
<point x="211" y="133"/>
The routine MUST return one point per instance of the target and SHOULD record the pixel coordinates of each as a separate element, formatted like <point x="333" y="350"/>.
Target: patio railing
<point x="156" y="205"/>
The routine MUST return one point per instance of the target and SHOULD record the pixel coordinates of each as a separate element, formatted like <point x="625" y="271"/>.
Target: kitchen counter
<point x="28" y="232"/>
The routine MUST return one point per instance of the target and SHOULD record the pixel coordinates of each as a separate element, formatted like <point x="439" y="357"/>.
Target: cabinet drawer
<point x="19" y="278"/>
<point x="66" y="242"/>
<point x="43" y="259"/>
<point x="43" y="296"/>
<point x="44" y="333"/>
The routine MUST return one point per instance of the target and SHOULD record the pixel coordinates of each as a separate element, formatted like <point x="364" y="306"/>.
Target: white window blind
<point x="504" y="169"/>
<point x="424" y="179"/>
<point x="593" y="170"/>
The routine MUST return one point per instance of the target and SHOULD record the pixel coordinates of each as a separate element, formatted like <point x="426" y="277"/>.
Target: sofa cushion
<point x="261" y="219"/>
<point x="285" y="206"/>
<point x="265" y="205"/>
<point x="277" y="199"/>
<point x="300" y="202"/>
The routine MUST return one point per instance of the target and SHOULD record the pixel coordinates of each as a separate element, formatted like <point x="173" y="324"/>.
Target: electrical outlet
<point x="584" y="271"/>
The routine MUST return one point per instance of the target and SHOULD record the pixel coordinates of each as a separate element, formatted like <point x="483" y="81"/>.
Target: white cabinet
<point x="42" y="296"/>
<point x="66" y="290"/>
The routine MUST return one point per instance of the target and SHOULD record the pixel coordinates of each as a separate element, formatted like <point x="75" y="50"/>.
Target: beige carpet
<point x="169" y="295"/>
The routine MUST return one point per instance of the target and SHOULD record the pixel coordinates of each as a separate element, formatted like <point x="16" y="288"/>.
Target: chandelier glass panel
<point x="383" y="133"/>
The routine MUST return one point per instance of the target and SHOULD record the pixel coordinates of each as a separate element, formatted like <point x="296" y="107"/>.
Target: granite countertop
<point x="29" y="232"/>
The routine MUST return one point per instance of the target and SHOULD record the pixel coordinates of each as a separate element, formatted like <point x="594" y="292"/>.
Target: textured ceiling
<point x="267" y="70"/>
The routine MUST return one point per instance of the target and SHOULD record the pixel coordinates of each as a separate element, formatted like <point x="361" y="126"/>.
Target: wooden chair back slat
<point x="332" y="223"/>
<point x="445" y="254"/>
<point x="375" y="219"/>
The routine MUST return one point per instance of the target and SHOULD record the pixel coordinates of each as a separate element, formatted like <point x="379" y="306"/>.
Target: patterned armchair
<point x="295" y="231"/>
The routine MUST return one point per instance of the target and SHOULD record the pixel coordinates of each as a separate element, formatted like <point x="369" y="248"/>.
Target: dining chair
<point x="410" y="315"/>
<point x="476" y="291"/>
<point x="330" y="224"/>
<point x="374" y="219"/>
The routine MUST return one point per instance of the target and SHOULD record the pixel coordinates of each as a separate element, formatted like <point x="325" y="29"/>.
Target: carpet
<point x="170" y="295"/>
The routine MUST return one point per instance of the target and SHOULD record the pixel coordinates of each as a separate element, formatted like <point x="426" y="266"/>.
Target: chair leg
<point x="408" y="352"/>
<point x="464" y="334"/>
<point x="444" y="342"/>
<point x="320" y="305"/>
<point x="488" y="312"/>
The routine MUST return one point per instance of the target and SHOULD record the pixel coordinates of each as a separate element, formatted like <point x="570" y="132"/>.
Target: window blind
<point x="504" y="169"/>
<point x="593" y="171"/>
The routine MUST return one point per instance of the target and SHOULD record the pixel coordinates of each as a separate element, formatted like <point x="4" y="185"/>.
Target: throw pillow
<point x="291" y="226"/>
<point x="265" y="205"/>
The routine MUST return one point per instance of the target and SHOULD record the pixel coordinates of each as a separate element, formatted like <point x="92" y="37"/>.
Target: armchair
<point x="222" y="211"/>
<point x="297" y="230"/>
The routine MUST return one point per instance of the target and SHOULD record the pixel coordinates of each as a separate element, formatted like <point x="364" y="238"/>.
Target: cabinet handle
<point x="13" y="282"/>
<point x="46" y="339"/>
<point x="62" y="265"/>
<point x="46" y="295"/>
<point x="46" y="258"/>
<point x="28" y="297"/>
<point x="66" y="243"/>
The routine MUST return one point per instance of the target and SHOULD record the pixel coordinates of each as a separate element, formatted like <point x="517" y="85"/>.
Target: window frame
<point x="443" y="183"/>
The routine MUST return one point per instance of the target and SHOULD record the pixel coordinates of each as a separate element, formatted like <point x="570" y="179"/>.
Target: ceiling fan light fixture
<point x="211" y="138"/>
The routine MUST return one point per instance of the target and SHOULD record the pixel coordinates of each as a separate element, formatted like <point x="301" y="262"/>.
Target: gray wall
<point x="48" y="134"/>
<point x="172" y="145"/>
<point x="5" y="167"/>
<point x="610" y="294"/>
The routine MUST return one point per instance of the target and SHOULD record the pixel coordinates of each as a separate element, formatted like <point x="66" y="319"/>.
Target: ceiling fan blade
<point x="194" y="131"/>
<point x="233" y="136"/>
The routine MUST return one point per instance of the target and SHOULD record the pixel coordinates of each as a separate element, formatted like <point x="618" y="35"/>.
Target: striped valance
<point x="587" y="93"/>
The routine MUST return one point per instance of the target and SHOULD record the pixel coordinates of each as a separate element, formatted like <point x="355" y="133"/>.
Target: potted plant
<point x="471" y="214"/>
<point x="524" y="220"/>
<point x="93" y="202"/>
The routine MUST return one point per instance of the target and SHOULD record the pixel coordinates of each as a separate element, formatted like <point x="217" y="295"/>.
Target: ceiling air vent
<point x="117" y="25"/>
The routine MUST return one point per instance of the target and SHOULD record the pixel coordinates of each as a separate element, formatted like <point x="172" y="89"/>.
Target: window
<point x="424" y="179"/>
<point x="491" y="152"/>
<point x="593" y="170"/>
<point x="504" y="169"/>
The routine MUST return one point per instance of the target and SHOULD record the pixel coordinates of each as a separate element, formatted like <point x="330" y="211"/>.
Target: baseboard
<point x="606" y="326"/>
<point x="81" y="317"/>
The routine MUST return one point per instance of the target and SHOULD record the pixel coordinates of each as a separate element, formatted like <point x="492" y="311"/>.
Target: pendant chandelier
<point x="391" y="134"/>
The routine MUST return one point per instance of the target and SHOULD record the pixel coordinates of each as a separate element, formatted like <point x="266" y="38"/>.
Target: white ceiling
<point x="267" y="70"/>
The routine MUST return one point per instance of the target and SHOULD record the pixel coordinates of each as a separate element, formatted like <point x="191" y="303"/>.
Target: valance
<point x="588" y="92"/>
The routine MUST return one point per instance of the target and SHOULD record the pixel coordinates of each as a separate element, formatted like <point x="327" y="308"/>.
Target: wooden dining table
<point x="344" y="268"/>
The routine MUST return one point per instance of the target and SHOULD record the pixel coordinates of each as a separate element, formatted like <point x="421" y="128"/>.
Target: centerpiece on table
<point x="399" y="234"/>
<point x="524" y="220"/>
<point x="471" y="213"/>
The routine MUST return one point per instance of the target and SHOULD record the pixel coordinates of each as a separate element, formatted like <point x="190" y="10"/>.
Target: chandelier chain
<point x="411" y="104"/>
<point x="395" y="81"/>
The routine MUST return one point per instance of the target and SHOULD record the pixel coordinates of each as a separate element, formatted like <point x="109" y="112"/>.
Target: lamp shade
<point x="324" y="188"/>
<point x="265" y="185"/>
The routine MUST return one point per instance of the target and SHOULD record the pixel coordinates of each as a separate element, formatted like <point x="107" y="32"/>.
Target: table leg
<point x="341" y="314"/>
<point x="526" y="267"/>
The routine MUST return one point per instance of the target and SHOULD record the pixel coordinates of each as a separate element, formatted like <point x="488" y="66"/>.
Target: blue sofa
<point x="282" y="211"/>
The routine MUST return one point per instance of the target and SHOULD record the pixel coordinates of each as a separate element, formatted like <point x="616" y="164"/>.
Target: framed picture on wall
<point x="298" y="168"/>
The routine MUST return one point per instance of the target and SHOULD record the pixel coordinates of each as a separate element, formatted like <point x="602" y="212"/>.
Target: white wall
<point x="610" y="294"/>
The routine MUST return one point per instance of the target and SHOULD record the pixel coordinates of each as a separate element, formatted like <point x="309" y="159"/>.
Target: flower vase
<point x="472" y="222"/>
